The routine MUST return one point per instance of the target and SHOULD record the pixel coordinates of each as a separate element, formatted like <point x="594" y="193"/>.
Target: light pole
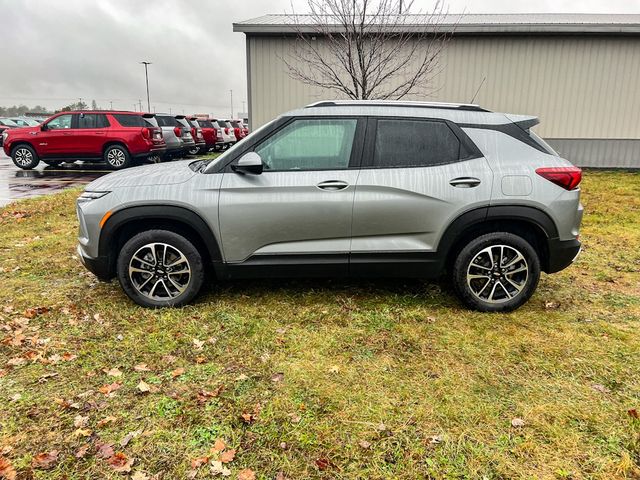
<point x="401" y="1"/>
<point x="231" y="105"/>
<point x="146" y="76"/>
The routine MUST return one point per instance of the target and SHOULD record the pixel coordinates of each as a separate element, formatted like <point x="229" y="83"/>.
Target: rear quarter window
<point x="166" y="121"/>
<point x="131" y="120"/>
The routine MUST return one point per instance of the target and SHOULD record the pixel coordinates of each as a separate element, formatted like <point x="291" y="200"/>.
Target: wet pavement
<point x="16" y="183"/>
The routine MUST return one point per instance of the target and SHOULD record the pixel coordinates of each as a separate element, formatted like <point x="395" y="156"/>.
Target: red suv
<point x="118" y="138"/>
<point x="210" y="133"/>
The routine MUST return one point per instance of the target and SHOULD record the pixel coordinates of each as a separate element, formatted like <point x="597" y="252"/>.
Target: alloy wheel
<point x="23" y="157"/>
<point x="497" y="274"/>
<point x="159" y="271"/>
<point x="116" y="157"/>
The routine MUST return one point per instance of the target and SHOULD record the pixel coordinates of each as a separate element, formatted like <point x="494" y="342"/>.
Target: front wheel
<point x="117" y="157"/>
<point x="25" y="157"/>
<point x="159" y="268"/>
<point x="497" y="272"/>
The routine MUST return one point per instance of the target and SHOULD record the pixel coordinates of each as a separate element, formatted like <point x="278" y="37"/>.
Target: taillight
<point x="226" y="130"/>
<point x="145" y="133"/>
<point x="177" y="131"/>
<point x="565" y="177"/>
<point x="193" y="132"/>
<point x="219" y="132"/>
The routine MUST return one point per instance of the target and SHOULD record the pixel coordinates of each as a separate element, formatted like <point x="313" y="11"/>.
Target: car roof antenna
<point x="478" y="91"/>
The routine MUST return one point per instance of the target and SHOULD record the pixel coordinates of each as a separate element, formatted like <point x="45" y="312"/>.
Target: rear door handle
<point x="332" y="185"/>
<point x="465" y="182"/>
<point x="98" y="133"/>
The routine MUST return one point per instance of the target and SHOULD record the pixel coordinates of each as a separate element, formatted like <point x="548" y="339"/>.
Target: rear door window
<point x="414" y="143"/>
<point x="92" y="120"/>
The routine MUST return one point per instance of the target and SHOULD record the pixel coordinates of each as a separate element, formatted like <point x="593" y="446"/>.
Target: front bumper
<point x="562" y="253"/>
<point x="99" y="266"/>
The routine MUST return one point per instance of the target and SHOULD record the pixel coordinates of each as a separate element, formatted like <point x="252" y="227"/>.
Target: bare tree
<point x="368" y="49"/>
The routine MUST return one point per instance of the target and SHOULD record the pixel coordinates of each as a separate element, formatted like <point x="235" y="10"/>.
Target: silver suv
<point x="345" y="188"/>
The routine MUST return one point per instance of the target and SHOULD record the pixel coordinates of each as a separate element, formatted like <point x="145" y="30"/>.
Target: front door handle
<point x="98" y="133"/>
<point x="465" y="182"/>
<point x="332" y="185"/>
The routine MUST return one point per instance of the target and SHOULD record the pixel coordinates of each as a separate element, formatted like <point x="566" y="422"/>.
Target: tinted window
<point x="92" y="120"/>
<point x="414" y="143"/>
<point x="61" y="122"/>
<point x="131" y="120"/>
<point x="8" y="123"/>
<point x="310" y="145"/>
<point x="205" y="124"/>
<point x="166" y="121"/>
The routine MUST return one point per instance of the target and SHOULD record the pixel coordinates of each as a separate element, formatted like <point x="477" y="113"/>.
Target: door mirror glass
<point x="250" y="163"/>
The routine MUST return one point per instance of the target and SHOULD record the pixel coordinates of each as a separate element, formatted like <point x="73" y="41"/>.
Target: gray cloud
<point x="55" y="51"/>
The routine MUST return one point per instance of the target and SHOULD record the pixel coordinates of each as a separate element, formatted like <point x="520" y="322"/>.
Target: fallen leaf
<point x="364" y="444"/>
<point x="16" y="361"/>
<point x="217" y="468"/>
<point x="218" y="446"/>
<point x="204" y="396"/>
<point x="227" y="456"/>
<point x="633" y="413"/>
<point x="435" y="439"/>
<point x="334" y="369"/>
<point x="67" y="357"/>
<point x="200" y="360"/>
<point x="120" y="463"/>
<point x="241" y="378"/>
<point x="295" y="418"/>
<point x="246" y="474"/>
<point x="47" y="376"/>
<point x="6" y="469"/>
<point x="110" y="388"/>
<point x="600" y="388"/>
<point x="104" y="450"/>
<point x="280" y="476"/>
<point x="139" y="475"/>
<point x="105" y="421"/>
<point x="113" y="372"/>
<point x="277" y="377"/>
<point x="82" y="451"/>
<point x="45" y="460"/>
<point x="177" y="372"/>
<point x="82" y="432"/>
<point x="198" y="462"/>
<point x="323" y="463"/>
<point x="248" y="417"/>
<point x="169" y="359"/>
<point x="141" y="367"/>
<point x="551" y="305"/>
<point x="143" y="386"/>
<point x="66" y="404"/>
<point x="15" y="397"/>
<point x="79" y="421"/>
<point x="198" y="344"/>
<point x="381" y="427"/>
<point x="517" y="423"/>
<point x="128" y="437"/>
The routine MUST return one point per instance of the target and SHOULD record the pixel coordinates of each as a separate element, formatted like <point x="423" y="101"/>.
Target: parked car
<point x="238" y="129"/>
<point x="25" y="122"/>
<point x="196" y="133"/>
<point x="226" y="132"/>
<point x="177" y="134"/>
<point x="118" y="138"/>
<point x="352" y="188"/>
<point x="210" y="134"/>
<point x="6" y="124"/>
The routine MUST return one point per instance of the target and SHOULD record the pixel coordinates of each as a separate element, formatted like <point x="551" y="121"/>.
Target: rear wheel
<point x="117" y="157"/>
<point x="25" y="157"/>
<point x="497" y="272"/>
<point x="159" y="268"/>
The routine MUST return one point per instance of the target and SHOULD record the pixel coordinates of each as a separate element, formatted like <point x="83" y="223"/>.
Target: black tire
<point x="194" y="151"/>
<point x="484" y="285"/>
<point x="117" y="157"/>
<point x="143" y="293"/>
<point x="24" y="157"/>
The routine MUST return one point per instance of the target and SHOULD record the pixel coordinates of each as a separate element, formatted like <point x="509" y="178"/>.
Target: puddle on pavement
<point x="16" y="184"/>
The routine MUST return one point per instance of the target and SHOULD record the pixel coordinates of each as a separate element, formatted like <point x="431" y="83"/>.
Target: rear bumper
<point x="99" y="266"/>
<point x="562" y="254"/>
<point x="151" y="152"/>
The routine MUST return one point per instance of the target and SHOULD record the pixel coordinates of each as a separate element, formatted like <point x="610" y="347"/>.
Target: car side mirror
<point x="44" y="127"/>
<point x="250" y="163"/>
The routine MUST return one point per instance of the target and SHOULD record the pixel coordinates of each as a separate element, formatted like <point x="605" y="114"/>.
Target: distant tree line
<point x="17" y="110"/>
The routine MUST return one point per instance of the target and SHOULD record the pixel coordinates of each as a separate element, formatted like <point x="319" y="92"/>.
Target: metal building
<point x="580" y="73"/>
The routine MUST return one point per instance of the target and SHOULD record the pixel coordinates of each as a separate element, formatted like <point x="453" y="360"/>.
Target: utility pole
<point x="111" y="105"/>
<point x="231" y="117"/>
<point x="135" y="107"/>
<point x="243" y="104"/>
<point x="80" y="102"/>
<point x="140" y="103"/>
<point x="169" y="110"/>
<point x="401" y="1"/>
<point x="146" y="76"/>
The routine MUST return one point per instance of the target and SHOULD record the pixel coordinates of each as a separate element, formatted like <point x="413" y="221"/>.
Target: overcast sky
<point x="56" y="51"/>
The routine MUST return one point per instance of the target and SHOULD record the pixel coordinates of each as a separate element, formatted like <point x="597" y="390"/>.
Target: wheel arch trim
<point x="165" y="213"/>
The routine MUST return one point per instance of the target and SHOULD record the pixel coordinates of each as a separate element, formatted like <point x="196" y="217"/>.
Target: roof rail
<point x="397" y="103"/>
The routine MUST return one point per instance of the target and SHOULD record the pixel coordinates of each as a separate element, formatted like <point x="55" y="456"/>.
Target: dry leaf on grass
<point x="6" y="469"/>
<point x="218" y="446"/>
<point x="517" y="423"/>
<point x="110" y="388"/>
<point x="45" y="460"/>
<point x="177" y="372"/>
<point x="246" y="474"/>
<point x="143" y="387"/>
<point x="364" y="444"/>
<point x="113" y="372"/>
<point x="120" y="463"/>
<point x="82" y="451"/>
<point x="128" y="437"/>
<point x="198" y="462"/>
<point x="139" y="475"/>
<point x="105" y="421"/>
<point x="277" y="377"/>
<point x="141" y="367"/>
<point x="227" y="456"/>
<point x="104" y="450"/>
<point x="217" y="468"/>
<point x="600" y="388"/>
<point x="79" y="421"/>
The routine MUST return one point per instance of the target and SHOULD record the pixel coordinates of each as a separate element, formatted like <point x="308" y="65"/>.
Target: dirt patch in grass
<point x="320" y="379"/>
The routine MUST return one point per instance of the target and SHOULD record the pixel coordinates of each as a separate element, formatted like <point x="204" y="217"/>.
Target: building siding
<point x="581" y="87"/>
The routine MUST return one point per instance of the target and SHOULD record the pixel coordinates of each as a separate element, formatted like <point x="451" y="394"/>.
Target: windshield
<point x="7" y="122"/>
<point x="211" y="164"/>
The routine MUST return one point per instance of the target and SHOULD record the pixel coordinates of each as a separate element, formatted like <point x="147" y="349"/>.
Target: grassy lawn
<point x="320" y="379"/>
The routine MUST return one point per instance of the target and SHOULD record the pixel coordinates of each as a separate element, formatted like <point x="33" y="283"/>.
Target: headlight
<point x="88" y="196"/>
<point x="5" y="134"/>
